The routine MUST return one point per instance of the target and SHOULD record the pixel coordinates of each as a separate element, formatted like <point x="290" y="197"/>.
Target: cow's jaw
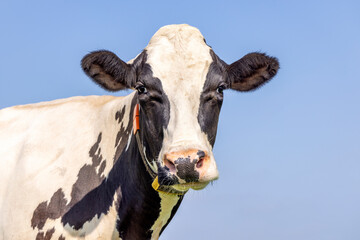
<point x="181" y="60"/>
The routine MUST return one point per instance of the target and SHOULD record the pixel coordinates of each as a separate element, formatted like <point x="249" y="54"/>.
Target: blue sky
<point x="288" y="154"/>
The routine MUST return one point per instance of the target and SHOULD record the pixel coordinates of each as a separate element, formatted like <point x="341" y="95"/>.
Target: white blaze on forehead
<point x="180" y="58"/>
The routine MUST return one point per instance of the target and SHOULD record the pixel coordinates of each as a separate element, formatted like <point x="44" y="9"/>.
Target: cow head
<point x="180" y="82"/>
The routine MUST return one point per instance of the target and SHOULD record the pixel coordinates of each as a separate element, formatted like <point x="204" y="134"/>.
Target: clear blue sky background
<point x="288" y="154"/>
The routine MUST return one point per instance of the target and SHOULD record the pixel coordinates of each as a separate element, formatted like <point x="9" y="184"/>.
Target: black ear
<point x="251" y="71"/>
<point x="109" y="71"/>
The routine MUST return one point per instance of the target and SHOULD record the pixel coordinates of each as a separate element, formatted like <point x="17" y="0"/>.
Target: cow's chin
<point x="186" y="186"/>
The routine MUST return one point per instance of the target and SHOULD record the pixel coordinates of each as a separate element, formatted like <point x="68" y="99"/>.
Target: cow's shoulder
<point x="55" y="149"/>
<point x="94" y="101"/>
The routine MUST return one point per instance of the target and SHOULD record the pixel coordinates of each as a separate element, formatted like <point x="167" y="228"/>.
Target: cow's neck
<point x="143" y="213"/>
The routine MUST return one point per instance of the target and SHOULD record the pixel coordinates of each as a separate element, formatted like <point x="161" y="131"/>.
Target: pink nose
<point x="189" y="165"/>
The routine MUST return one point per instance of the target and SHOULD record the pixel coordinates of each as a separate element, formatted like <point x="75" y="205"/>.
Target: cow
<point x="106" y="167"/>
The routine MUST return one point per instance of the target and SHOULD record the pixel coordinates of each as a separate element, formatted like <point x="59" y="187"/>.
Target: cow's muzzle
<point x="190" y="167"/>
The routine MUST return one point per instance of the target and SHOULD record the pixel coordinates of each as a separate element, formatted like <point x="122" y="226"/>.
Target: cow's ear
<point x="251" y="71"/>
<point x="108" y="70"/>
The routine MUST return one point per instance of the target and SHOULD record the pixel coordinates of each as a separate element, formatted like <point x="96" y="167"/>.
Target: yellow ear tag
<point x="155" y="184"/>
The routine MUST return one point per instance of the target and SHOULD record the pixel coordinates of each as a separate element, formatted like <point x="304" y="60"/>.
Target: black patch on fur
<point x="123" y="133"/>
<point x="61" y="237"/>
<point x="119" y="116"/>
<point x="45" y="236"/>
<point x="211" y="99"/>
<point x="186" y="169"/>
<point x="55" y="209"/>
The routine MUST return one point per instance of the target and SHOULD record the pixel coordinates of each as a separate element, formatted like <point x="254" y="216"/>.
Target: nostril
<point x="201" y="154"/>
<point x="199" y="164"/>
<point x="170" y="165"/>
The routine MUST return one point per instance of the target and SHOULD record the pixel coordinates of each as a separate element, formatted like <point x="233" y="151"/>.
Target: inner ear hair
<point x="108" y="70"/>
<point x="252" y="71"/>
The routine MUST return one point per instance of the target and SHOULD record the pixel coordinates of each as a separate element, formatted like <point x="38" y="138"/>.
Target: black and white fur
<point x="72" y="167"/>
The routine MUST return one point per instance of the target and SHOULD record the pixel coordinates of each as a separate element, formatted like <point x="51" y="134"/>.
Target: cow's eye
<point x="220" y="89"/>
<point x="141" y="89"/>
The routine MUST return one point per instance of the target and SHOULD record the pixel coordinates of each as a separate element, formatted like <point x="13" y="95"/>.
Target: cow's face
<point x="180" y="82"/>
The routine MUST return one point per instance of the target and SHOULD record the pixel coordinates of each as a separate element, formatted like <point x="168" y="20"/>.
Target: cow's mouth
<point x="194" y="185"/>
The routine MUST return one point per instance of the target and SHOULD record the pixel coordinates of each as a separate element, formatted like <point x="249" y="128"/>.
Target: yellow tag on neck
<point x="155" y="184"/>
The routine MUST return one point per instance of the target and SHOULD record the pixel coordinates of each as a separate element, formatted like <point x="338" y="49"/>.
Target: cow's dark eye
<point x="220" y="89"/>
<point x="141" y="89"/>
